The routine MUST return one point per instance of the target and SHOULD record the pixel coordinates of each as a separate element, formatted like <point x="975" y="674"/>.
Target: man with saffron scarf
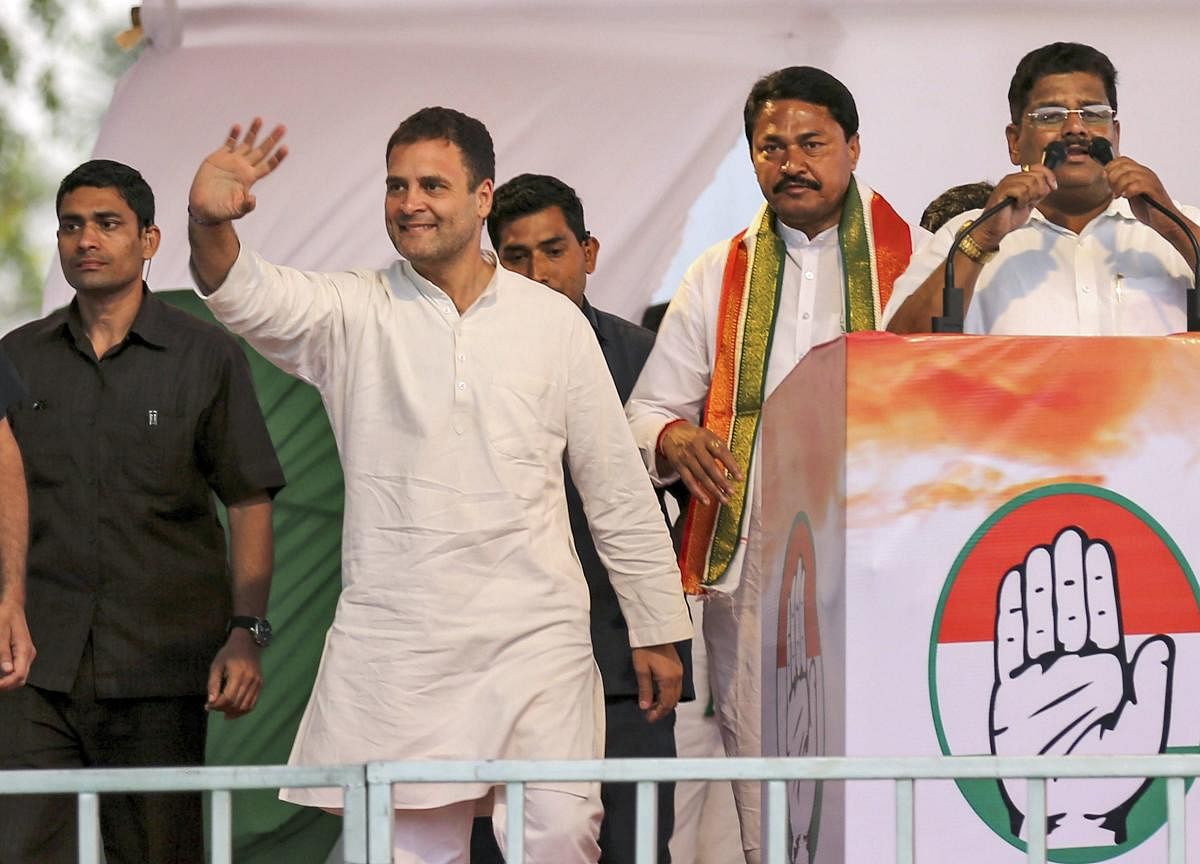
<point x="819" y="260"/>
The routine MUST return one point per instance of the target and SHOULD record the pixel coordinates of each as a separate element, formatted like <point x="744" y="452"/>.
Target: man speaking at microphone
<point x="1080" y="251"/>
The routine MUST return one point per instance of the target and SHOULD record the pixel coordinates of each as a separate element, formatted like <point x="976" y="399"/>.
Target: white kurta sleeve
<point x="674" y="382"/>
<point x="926" y="257"/>
<point x="622" y="510"/>
<point x="293" y="318"/>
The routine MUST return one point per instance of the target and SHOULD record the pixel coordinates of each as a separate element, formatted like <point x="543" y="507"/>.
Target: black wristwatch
<point x="260" y="628"/>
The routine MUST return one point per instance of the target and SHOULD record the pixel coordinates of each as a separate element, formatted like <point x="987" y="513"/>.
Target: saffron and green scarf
<point x="876" y="245"/>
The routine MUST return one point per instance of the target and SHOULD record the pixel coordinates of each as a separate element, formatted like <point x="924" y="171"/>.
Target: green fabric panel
<point x="304" y="591"/>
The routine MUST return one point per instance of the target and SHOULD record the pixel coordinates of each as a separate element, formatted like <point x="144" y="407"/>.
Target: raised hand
<point x="1132" y="180"/>
<point x="1027" y="187"/>
<point x="221" y="188"/>
<point x="1139" y="185"/>
<point x="1063" y="684"/>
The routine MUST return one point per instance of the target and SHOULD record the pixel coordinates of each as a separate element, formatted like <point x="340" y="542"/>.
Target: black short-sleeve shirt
<point x="122" y="457"/>
<point x="11" y="390"/>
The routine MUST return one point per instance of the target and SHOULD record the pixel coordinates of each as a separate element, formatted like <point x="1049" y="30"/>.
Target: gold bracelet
<point x="973" y="250"/>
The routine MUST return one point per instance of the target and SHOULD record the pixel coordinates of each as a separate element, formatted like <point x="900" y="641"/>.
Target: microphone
<point x="1056" y="153"/>
<point x="951" y="319"/>
<point x="1101" y="150"/>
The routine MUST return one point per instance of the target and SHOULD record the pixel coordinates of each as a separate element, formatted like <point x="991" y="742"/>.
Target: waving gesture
<point x="221" y="188"/>
<point x="221" y="193"/>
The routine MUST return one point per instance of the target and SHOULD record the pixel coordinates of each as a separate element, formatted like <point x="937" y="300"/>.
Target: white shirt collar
<point x="436" y="294"/>
<point x="795" y="239"/>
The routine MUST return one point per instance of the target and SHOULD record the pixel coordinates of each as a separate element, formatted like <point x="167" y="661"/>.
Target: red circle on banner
<point x="1154" y="586"/>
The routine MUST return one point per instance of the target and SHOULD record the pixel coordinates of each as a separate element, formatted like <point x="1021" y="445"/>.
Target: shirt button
<point x="462" y="358"/>
<point x="805" y="316"/>
<point x="458" y="428"/>
<point x="808" y="274"/>
<point x="1086" y="289"/>
<point x="462" y="385"/>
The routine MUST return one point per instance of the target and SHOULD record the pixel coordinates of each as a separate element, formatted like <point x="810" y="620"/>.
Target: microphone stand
<point x="951" y="319"/>
<point x="1101" y="150"/>
<point x="1193" y="296"/>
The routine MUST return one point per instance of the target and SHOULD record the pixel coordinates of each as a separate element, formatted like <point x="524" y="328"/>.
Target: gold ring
<point x="713" y="444"/>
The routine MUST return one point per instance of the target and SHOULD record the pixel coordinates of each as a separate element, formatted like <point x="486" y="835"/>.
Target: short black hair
<point x="955" y="200"/>
<point x="107" y="174"/>
<point x="466" y="133"/>
<point x="1058" y="58"/>
<point x="807" y="84"/>
<point x="527" y="194"/>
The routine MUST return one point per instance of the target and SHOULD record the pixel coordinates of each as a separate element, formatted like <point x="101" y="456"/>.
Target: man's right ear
<point x="591" y="251"/>
<point x="1012" y="134"/>
<point x="151" y="237"/>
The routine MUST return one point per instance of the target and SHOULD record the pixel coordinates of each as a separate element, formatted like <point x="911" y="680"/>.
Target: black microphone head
<point x="1101" y="150"/>
<point x="1054" y="155"/>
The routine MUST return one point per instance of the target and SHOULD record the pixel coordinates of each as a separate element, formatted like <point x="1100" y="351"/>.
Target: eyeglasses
<point x="1054" y="116"/>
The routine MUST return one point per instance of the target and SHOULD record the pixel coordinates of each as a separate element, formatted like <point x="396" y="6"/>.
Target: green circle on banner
<point x="1157" y="594"/>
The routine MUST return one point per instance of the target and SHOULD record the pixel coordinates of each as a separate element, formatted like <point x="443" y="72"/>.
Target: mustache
<point x="805" y="182"/>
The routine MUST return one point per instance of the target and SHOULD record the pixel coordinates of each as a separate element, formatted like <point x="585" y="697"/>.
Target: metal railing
<point x="87" y="784"/>
<point x="367" y="819"/>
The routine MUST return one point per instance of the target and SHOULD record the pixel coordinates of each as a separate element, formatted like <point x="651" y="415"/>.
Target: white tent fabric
<point x="636" y="103"/>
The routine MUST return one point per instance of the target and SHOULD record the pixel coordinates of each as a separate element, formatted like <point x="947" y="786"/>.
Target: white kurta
<point x="674" y="382"/>
<point x="1116" y="277"/>
<point x="462" y="628"/>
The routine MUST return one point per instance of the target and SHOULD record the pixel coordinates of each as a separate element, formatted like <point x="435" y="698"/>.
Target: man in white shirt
<point x="818" y="260"/>
<point x="462" y="628"/>
<point x="1080" y="251"/>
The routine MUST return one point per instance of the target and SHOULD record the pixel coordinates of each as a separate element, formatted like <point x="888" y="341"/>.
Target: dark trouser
<point x="628" y="736"/>
<point x="43" y="729"/>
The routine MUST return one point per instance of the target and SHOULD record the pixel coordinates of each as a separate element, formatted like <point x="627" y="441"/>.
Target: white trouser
<point x="706" y="822"/>
<point x="733" y="638"/>
<point x="560" y="828"/>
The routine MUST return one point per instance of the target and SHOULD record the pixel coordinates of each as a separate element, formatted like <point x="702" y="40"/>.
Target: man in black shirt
<point x="136" y="414"/>
<point x="537" y="228"/>
<point x="16" y="648"/>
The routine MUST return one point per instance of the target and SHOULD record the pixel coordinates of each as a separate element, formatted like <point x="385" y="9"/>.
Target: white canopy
<point x="636" y="103"/>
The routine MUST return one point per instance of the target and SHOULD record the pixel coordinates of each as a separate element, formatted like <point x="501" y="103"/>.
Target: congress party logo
<point x="1069" y="624"/>
<point x="799" y="686"/>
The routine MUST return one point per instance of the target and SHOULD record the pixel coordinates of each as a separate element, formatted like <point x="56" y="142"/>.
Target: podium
<point x="979" y="545"/>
